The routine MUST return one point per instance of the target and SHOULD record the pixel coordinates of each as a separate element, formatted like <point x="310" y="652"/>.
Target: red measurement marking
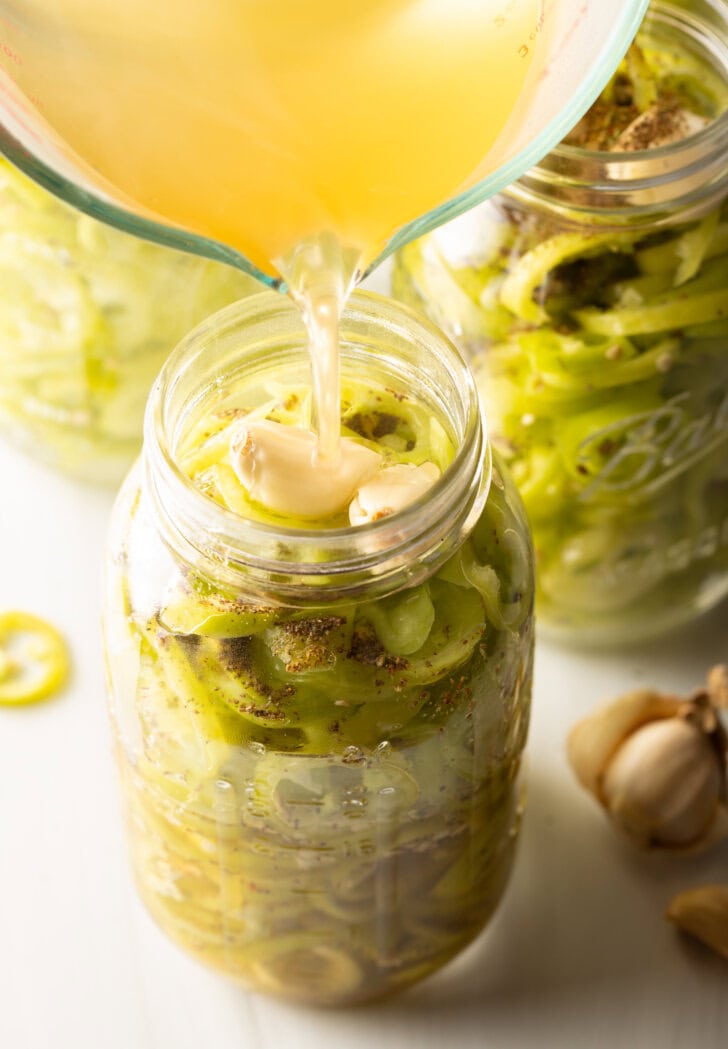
<point x="583" y="10"/>
<point x="18" y="112"/>
<point x="11" y="53"/>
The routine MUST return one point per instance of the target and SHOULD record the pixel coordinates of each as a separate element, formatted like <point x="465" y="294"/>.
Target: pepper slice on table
<point x="34" y="660"/>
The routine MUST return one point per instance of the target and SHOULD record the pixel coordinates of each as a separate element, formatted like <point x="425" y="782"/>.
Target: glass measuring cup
<point x="572" y="47"/>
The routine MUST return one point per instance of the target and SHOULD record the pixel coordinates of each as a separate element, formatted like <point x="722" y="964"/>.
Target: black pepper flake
<point x="313" y="628"/>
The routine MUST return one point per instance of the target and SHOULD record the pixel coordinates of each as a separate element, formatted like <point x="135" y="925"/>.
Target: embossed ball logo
<point x="641" y="452"/>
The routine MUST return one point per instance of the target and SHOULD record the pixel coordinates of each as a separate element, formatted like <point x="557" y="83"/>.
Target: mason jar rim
<point x="290" y="564"/>
<point x="688" y="176"/>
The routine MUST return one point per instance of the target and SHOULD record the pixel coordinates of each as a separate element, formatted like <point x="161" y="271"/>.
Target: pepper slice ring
<point x="34" y="660"/>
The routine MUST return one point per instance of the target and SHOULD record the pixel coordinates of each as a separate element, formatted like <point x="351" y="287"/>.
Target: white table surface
<point x="578" y="956"/>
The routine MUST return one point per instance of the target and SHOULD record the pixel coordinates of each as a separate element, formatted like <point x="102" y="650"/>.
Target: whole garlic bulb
<point x="657" y="765"/>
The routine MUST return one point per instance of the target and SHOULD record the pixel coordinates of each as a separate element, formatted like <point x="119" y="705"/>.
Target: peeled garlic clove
<point x="391" y="489"/>
<point x="658" y="126"/>
<point x="593" y="741"/>
<point x="662" y="787"/>
<point x="277" y="466"/>
<point x="703" y="913"/>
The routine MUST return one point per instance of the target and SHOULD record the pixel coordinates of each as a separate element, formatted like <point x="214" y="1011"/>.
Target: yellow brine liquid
<point x="303" y="133"/>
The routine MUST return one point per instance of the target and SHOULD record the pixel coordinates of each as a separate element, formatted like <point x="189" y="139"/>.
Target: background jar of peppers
<point x="88" y="316"/>
<point x="319" y="725"/>
<point x="592" y="300"/>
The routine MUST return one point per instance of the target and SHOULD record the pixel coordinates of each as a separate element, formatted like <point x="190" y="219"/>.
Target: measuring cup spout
<point x="378" y="144"/>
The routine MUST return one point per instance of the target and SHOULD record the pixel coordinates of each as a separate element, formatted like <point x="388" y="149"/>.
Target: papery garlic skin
<point x="663" y="785"/>
<point x="390" y="490"/>
<point x="703" y="913"/>
<point x="278" y="467"/>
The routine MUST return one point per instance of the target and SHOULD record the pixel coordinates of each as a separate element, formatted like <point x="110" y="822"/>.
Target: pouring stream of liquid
<point x="320" y="275"/>
<point x="303" y="135"/>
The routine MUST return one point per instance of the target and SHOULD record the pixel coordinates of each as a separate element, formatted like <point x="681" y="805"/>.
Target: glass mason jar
<point x="320" y="732"/>
<point x="87" y="317"/>
<point x="592" y="300"/>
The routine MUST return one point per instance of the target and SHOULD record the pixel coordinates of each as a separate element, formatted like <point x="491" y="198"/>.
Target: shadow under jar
<point x="592" y="300"/>
<point x="319" y="726"/>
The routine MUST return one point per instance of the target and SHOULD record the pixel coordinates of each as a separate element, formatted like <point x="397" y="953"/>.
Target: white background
<point x="578" y="956"/>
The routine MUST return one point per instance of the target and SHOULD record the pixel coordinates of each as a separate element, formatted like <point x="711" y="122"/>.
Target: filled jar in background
<point x="88" y="316"/>
<point x="592" y="300"/>
<point x="319" y="725"/>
